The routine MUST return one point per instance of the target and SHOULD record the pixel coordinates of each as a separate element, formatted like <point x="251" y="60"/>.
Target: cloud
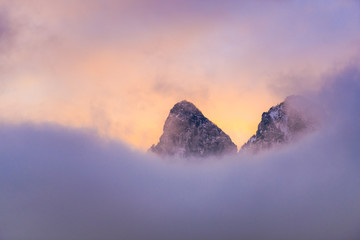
<point x="137" y="58"/>
<point x="8" y="35"/>
<point x="5" y="29"/>
<point x="63" y="183"/>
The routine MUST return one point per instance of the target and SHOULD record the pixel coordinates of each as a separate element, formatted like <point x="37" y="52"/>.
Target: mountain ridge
<point x="281" y="124"/>
<point x="188" y="133"/>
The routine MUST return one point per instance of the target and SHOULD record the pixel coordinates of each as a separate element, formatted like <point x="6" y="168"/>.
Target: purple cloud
<point x="61" y="183"/>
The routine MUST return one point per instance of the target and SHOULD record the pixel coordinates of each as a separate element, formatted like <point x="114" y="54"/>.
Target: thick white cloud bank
<point x="59" y="183"/>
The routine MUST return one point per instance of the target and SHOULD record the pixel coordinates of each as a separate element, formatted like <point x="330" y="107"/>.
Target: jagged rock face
<point x="282" y="124"/>
<point x="188" y="133"/>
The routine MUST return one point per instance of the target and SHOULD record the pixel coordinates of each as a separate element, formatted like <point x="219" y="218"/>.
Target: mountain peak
<point x="283" y="123"/>
<point x="188" y="133"/>
<point x="185" y="107"/>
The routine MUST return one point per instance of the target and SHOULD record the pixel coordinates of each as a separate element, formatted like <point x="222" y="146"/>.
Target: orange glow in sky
<point x="119" y="66"/>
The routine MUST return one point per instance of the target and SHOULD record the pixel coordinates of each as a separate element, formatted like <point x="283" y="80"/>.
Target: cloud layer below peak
<point x="64" y="183"/>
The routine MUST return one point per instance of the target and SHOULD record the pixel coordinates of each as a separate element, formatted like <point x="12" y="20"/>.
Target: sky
<point x="61" y="182"/>
<point x="119" y="66"/>
<point x="85" y="88"/>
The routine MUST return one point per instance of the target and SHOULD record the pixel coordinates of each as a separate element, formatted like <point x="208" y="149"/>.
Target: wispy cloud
<point x="63" y="183"/>
<point x="71" y="56"/>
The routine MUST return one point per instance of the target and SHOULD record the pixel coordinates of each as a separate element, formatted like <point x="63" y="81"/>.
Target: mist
<point x="58" y="182"/>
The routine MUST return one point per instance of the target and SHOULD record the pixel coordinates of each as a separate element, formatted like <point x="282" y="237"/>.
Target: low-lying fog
<point x="61" y="183"/>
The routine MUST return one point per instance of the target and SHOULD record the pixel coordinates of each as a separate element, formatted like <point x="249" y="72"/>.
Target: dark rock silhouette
<point x="188" y="133"/>
<point x="281" y="124"/>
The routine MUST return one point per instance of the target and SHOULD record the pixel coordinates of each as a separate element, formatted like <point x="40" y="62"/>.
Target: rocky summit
<point x="281" y="124"/>
<point x="188" y="133"/>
